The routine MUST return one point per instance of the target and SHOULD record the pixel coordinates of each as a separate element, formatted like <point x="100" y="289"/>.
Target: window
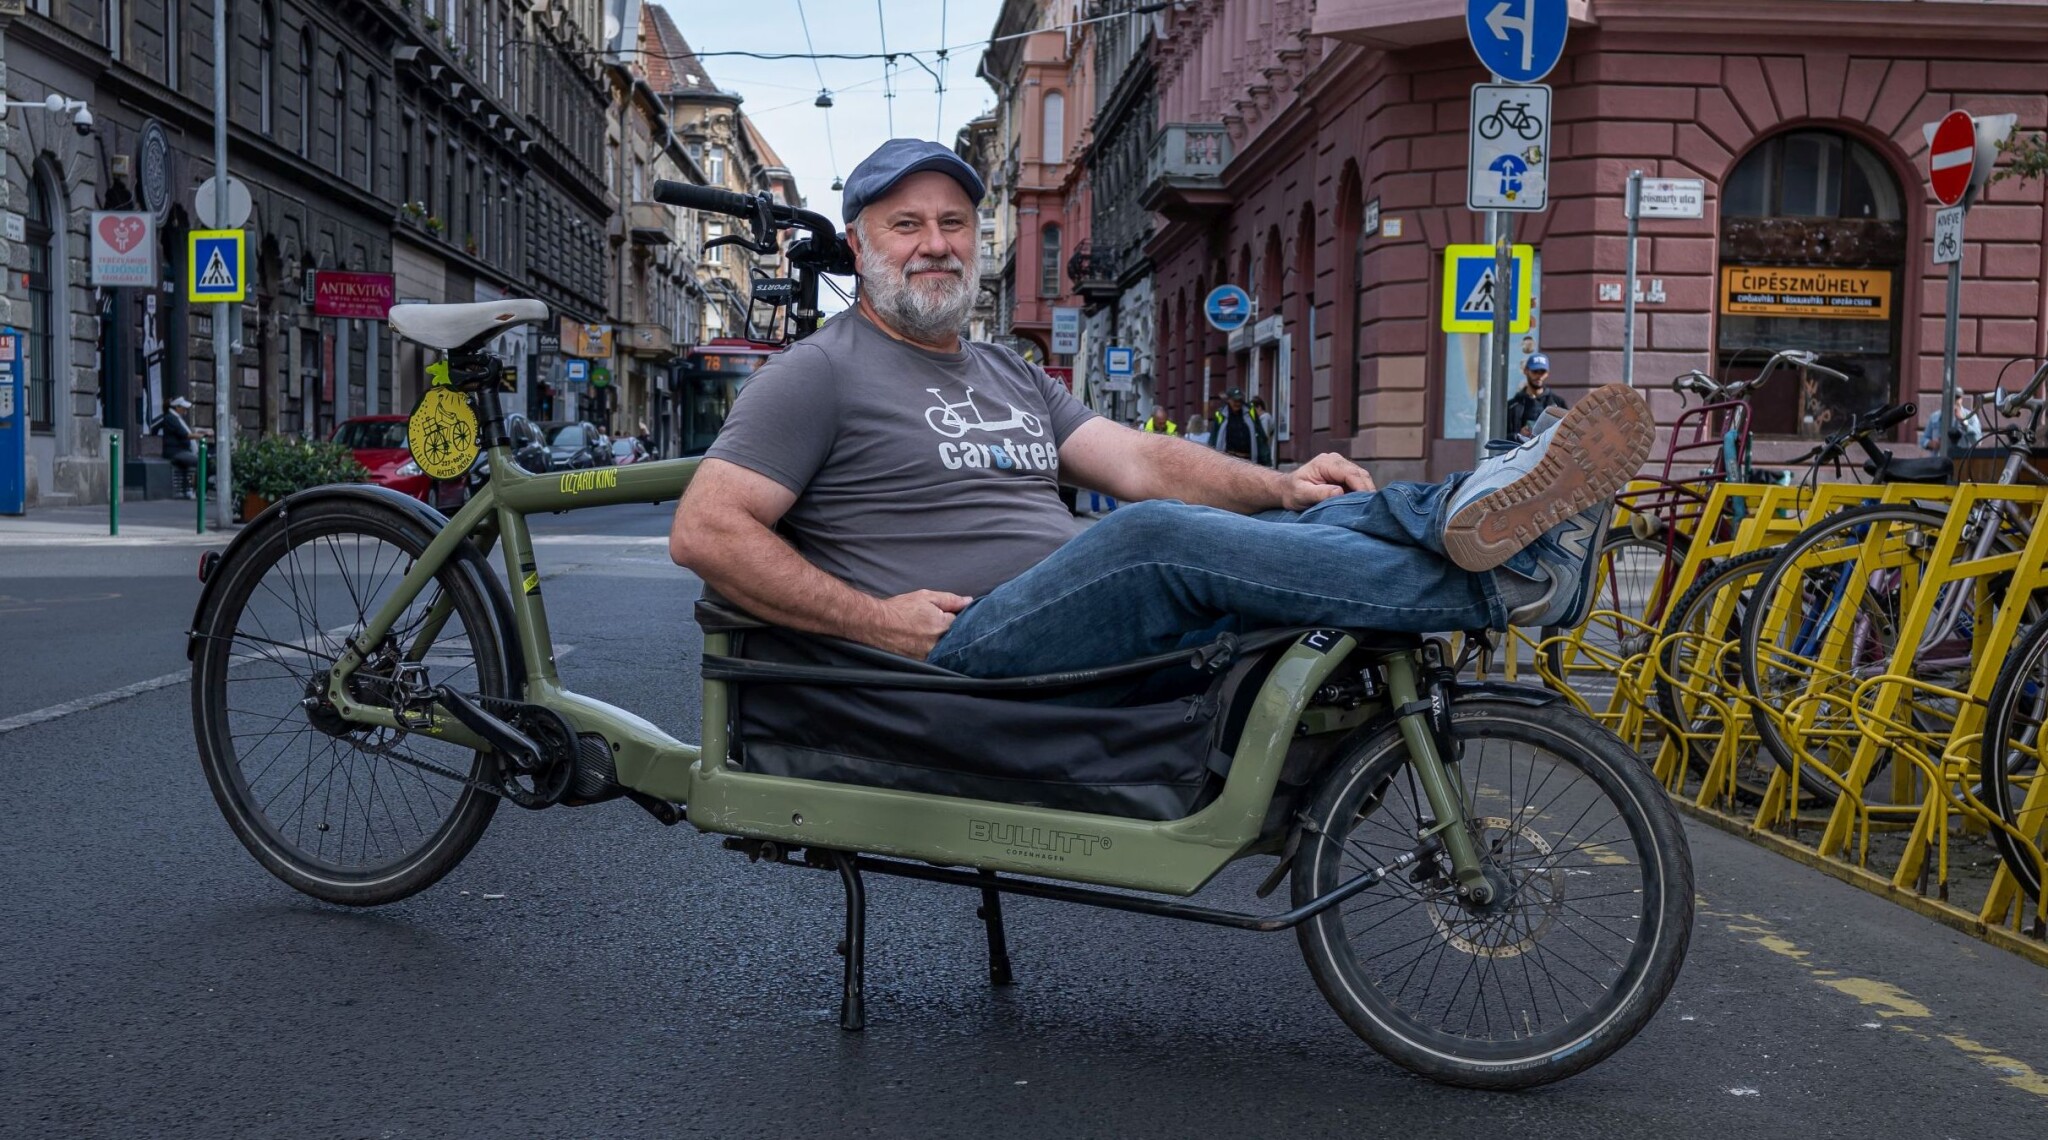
<point x="370" y="136"/>
<point x="1049" y="262"/>
<point x="427" y="186"/>
<point x="408" y="125"/>
<point x="174" y="43"/>
<point x="341" y="113"/>
<point x="639" y="180"/>
<point x="716" y="255"/>
<point x="266" y="61"/>
<point x="306" y="93"/>
<point x="1054" y="145"/>
<point x="42" y="314"/>
<point x="714" y="165"/>
<point x="1812" y="174"/>
<point x="112" y="21"/>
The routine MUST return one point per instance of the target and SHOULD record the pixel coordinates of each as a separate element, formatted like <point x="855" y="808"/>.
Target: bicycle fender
<point x="1530" y="695"/>
<point x="429" y="519"/>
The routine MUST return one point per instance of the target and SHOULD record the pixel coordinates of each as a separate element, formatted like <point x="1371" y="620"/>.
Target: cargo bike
<point x="1487" y="886"/>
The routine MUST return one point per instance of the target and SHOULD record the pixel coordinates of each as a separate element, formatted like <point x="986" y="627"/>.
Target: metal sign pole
<point x="1482" y="368"/>
<point x="1633" y="207"/>
<point x="223" y="383"/>
<point x="1951" y="432"/>
<point x="1506" y="292"/>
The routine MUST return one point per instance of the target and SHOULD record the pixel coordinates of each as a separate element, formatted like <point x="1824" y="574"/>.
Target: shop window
<point x="1812" y="247"/>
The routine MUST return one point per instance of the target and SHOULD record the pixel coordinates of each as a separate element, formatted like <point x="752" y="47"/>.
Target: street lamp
<point x="81" y="116"/>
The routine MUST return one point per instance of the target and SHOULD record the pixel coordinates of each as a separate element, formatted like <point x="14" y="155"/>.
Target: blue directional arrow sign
<point x="1520" y="40"/>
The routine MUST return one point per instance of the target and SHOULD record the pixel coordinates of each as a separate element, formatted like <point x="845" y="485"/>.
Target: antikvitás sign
<point x="355" y="295"/>
<point x="1851" y="294"/>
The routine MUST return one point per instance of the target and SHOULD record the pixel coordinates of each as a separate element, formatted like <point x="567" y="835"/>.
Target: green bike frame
<point x="1171" y="857"/>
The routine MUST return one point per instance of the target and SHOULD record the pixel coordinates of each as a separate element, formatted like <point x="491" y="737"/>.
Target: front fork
<point x="1421" y="700"/>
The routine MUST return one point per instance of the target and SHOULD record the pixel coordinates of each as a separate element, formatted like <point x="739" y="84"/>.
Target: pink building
<point x="1286" y="124"/>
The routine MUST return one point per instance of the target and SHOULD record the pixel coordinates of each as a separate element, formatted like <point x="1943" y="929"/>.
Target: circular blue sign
<point x="1227" y="307"/>
<point x="1519" y="40"/>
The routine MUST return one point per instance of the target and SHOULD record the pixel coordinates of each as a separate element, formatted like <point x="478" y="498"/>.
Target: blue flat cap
<point x="896" y="160"/>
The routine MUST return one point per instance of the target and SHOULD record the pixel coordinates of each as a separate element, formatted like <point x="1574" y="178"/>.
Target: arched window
<point x="266" y="63"/>
<point x="1049" y="262"/>
<point x="306" y="93"/>
<point x="1055" y="142"/>
<point x="43" y="225"/>
<point x="341" y="113"/>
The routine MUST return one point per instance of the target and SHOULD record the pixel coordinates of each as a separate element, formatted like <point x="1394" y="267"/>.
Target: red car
<point x="379" y="445"/>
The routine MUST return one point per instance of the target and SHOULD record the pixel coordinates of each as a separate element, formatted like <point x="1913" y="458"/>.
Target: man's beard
<point x="925" y="312"/>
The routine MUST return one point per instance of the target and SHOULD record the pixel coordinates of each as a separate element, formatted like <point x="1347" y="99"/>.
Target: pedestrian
<point x="836" y="501"/>
<point x="1158" y="421"/>
<point x="178" y="436"/>
<point x="1242" y="431"/>
<point x="1526" y="406"/>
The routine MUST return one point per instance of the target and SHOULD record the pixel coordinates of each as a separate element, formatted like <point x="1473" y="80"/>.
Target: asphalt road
<point x="590" y="973"/>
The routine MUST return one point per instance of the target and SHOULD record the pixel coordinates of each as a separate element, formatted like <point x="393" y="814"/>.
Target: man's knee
<point x="1155" y="521"/>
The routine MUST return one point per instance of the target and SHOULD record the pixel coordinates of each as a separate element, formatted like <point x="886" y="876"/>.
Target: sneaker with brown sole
<point x="1510" y="500"/>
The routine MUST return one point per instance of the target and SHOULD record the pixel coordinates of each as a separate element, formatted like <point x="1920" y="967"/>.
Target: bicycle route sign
<point x="1510" y="148"/>
<point x="1948" y="235"/>
<point x="1520" y="40"/>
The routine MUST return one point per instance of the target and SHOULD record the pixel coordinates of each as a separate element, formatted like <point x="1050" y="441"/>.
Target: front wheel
<point x="1592" y="911"/>
<point x="346" y="813"/>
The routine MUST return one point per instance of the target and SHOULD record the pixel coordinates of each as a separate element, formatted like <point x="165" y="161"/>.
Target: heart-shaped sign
<point x="124" y="234"/>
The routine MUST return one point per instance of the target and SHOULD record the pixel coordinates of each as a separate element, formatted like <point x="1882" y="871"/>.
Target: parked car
<point x="529" y="450"/>
<point x="627" y="450"/>
<point x="379" y="445"/>
<point x="575" y="443"/>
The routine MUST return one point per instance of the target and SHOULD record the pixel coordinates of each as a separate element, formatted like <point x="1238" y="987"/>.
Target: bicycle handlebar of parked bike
<point x="2012" y="406"/>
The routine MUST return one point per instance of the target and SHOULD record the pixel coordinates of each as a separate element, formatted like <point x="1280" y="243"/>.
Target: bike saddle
<point x="1932" y="469"/>
<point x="464" y="328"/>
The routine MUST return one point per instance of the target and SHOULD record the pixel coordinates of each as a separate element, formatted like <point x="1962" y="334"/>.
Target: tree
<point x="2028" y="155"/>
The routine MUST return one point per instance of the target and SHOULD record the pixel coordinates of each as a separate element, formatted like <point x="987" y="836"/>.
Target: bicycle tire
<point x="1820" y="789"/>
<point x="1689" y="614"/>
<point x="1367" y="786"/>
<point x="1625" y="555"/>
<point x="300" y="853"/>
<point x="2014" y="709"/>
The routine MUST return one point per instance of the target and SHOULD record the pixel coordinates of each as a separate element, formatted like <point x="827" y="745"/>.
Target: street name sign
<point x="1520" y="40"/>
<point x="1672" y="198"/>
<point x="1951" y="156"/>
<point x="216" y="266"/>
<point x="1470" y="291"/>
<point x="1948" y="235"/>
<point x="1227" y="308"/>
<point x="1510" y="148"/>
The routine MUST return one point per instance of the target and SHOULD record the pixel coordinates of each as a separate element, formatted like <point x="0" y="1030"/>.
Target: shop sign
<point x="592" y="341"/>
<point x="123" y="249"/>
<point x="1847" y="294"/>
<point x="354" y="295"/>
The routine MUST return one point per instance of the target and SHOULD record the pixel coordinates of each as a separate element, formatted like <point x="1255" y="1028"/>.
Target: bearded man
<point x="915" y="477"/>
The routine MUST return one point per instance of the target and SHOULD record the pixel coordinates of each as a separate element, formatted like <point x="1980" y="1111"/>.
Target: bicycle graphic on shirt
<point x="949" y="419"/>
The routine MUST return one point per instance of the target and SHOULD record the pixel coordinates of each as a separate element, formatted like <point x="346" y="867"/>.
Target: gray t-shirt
<point x="913" y="470"/>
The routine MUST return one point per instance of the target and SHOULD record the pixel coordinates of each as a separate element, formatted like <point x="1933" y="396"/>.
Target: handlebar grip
<point x="711" y="198"/>
<point x="1891" y="417"/>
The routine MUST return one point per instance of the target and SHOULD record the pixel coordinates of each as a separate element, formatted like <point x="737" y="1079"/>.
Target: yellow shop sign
<point x="1853" y="294"/>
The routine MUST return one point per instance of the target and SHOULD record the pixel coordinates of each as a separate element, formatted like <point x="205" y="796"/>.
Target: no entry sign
<point x="1951" y="156"/>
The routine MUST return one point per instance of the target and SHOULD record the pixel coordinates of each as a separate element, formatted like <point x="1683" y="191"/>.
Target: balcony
<point x="1391" y="25"/>
<point x="648" y="222"/>
<point x="1094" y="272"/>
<point x="650" y="340"/>
<point x="1184" y="174"/>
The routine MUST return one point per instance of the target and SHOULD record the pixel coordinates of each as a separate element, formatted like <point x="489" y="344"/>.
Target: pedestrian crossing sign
<point x="1469" y="288"/>
<point x="216" y="266"/>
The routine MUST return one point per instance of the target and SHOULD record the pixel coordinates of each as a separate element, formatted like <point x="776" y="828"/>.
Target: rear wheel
<point x="2011" y="768"/>
<point x="345" y="813"/>
<point x="1593" y="905"/>
<point x="1714" y="616"/>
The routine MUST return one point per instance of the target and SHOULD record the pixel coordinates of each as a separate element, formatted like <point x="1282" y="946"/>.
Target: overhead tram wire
<point x="823" y="92"/>
<point x="939" y="125"/>
<point x="888" y="68"/>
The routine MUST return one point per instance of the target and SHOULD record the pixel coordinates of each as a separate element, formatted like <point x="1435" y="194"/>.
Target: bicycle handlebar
<point x="690" y="197"/>
<point x="2012" y="406"/>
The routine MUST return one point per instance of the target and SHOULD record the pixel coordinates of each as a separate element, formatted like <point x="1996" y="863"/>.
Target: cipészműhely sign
<point x="1850" y="294"/>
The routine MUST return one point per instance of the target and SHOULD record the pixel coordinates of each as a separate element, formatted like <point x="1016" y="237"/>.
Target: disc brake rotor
<point x="1528" y="894"/>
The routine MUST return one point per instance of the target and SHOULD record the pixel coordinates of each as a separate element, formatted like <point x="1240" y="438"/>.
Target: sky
<point x="815" y="144"/>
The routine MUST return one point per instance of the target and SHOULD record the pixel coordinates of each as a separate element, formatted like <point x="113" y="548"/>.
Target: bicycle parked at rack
<point x="1488" y="888"/>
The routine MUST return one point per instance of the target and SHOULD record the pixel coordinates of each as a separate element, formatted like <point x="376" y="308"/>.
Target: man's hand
<point x="910" y="624"/>
<point x="1324" y="477"/>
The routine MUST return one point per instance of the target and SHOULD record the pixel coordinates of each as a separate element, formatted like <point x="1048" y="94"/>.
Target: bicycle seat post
<point x="477" y="373"/>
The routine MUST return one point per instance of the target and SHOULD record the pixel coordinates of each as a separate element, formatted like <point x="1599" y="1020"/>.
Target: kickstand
<point x="853" y="1000"/>
<point x="991" y="915"/>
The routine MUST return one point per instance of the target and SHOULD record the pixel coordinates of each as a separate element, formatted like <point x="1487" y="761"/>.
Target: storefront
<point x="1344" y="183"/>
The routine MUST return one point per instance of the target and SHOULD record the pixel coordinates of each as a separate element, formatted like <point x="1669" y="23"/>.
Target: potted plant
<point x="436" y="226"/>
<point x="469" y="245"/>
<point x="271" y="467"/>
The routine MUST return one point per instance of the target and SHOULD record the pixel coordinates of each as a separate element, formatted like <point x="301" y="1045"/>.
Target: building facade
<point x="1314" y="152"/>
<point x="1111" y="270"/>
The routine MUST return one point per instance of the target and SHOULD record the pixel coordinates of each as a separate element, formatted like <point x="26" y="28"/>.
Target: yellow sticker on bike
<point x="442" y="433"/>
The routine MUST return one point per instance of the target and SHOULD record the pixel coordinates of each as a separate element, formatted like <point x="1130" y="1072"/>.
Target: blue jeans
<point x="1164" y="575"/>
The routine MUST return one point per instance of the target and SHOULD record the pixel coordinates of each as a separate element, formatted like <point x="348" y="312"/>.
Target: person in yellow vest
<point x="1158" y="422"/>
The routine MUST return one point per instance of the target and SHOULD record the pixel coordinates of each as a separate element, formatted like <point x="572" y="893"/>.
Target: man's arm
<point x="724" y="532"/>
<point x="1135" y="465"/>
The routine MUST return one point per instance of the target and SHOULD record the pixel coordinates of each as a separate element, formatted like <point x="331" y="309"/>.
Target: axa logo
<point x="1036" y="840"/>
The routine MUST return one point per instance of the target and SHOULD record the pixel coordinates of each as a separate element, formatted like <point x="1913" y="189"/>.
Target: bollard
<point x="113" y="439"/>
<point x="199" y="484"/>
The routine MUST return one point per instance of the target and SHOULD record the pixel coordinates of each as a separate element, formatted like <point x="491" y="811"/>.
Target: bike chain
<point x="498" y="706"/>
